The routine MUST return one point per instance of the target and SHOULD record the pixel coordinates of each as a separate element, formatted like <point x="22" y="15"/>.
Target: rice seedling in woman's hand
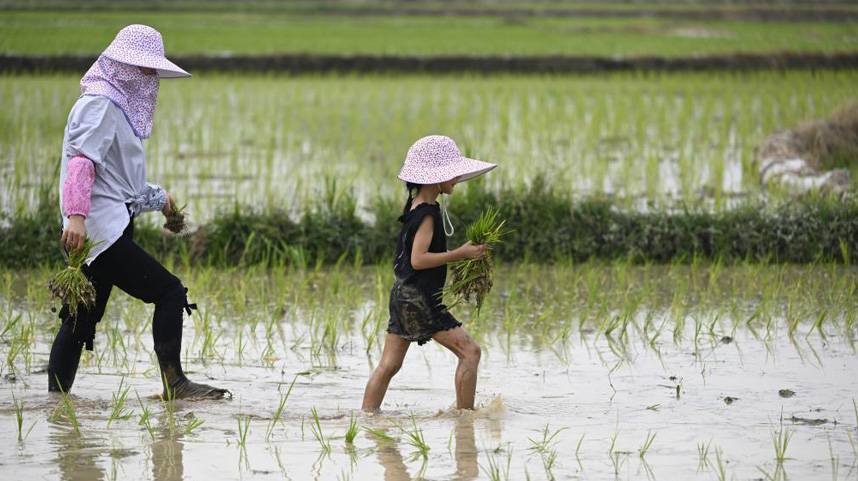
<point x="71" y="285"/>
<point x="472" y="278"/>
<point x="176" y="217"/>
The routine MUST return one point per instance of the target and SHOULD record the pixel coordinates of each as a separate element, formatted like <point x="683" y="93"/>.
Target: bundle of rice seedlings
<point x="471" y="279"/>
<point x="176" y="220"/>
<point x="70" y="285"/>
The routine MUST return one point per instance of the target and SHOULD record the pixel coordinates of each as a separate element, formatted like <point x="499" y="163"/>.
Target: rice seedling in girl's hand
<point x="176" y="218"/>
<point x="472" y="278"/>
<point x="70" y="285"/>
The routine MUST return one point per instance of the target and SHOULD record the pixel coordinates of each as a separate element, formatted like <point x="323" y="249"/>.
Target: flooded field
<point x="276" y="141"/>
<point x="592" y="371"/>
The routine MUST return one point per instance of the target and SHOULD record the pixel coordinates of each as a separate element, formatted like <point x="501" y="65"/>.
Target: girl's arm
<point x="421" y="258"/>
<point x="77" y="199"/>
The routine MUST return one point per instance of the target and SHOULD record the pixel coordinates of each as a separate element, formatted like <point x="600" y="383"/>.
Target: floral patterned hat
<point x="437" y="158"/>
<point x="142" y="46"/>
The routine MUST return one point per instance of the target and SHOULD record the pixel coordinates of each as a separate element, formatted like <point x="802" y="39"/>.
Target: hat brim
<point x="164" y="67"/>
<point x="474" y="168"/>
<point x="462" y="170"/>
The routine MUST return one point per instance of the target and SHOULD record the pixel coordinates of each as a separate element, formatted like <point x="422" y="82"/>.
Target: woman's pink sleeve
<point x="77" y="188"/>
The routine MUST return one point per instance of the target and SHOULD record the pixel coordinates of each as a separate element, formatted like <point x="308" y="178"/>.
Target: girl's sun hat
<point x="143" y="46"/>
<point x="437" y="158"/>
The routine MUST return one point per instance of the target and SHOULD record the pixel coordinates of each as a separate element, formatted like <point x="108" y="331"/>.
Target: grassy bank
<point x="546" y="225"/>
<point x="254" y="33"/>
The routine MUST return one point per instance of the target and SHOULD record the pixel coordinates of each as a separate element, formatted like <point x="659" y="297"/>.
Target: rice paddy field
<point x="40" y="32"/>
<point x="273" y="141"/>
<point x="589" y="371"/>
<point x="734" y="367"/>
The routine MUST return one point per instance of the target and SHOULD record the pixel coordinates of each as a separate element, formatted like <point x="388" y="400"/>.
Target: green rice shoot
<point x="70" y="285"/>
<point x="472" y="278"/>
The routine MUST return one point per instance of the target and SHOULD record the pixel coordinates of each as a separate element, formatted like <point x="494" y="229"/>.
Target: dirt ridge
<point x="796" y="13"/>
<point x="487" y="64"/>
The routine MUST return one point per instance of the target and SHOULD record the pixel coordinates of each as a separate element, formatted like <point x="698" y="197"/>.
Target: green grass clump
<point x="316" y="428"/>
<point x="243" y="429"/>
<point x="352" y="431"/>
<point x="19" y="419"/>
<point x="780" y="441"/>
<point x="415" y="438"/>
<point x="71" y="285"/>
<point x="472" y="278"/>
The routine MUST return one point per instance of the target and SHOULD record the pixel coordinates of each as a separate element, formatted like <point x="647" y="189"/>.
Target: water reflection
<point x="466" y="449"/>
<point x="465" y="455"/>
<point x="391" y="460"/>
<point x="77" y="457"/>
<point x="167" y="460"/>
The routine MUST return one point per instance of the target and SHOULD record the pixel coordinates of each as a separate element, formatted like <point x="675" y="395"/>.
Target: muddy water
<point x="551" y="407"/>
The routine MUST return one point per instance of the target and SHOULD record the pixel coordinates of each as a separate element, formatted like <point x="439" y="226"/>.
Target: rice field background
<point x="272" y="141"/>
<point x="191" y="32"/>
<point x="692" y="367"/>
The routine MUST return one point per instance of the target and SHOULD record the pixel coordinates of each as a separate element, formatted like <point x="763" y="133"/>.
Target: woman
<point x="102" y="189"/>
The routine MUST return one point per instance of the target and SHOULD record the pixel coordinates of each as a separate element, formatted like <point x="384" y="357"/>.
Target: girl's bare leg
<point x="394" y="351"/>
<point x="468" y="351"/>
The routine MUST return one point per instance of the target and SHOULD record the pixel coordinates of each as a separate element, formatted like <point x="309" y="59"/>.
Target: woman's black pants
<point x="128" y="267"/>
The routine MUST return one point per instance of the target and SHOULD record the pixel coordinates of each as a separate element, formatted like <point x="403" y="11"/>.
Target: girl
<point x="102" y="188"/>
<point x="433" y="166"/>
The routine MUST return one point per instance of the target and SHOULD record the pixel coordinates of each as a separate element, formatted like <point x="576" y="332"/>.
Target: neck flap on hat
<point x="135" y="92"/>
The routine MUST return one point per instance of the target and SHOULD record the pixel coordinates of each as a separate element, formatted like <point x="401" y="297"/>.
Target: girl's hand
<point x="168" y="206"/>
<point x="471" y="251"/>
<point x="75" y="233"/>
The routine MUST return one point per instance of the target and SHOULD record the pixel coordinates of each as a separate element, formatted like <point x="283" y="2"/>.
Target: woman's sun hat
<point x="143" y="46"/>
<point x="437" y="158"/>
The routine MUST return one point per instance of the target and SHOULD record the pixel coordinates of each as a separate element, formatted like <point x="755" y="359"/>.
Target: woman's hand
<point x="75" y="233"/>
<point x="168" y="206"/>
<point x="471" y="251"/>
